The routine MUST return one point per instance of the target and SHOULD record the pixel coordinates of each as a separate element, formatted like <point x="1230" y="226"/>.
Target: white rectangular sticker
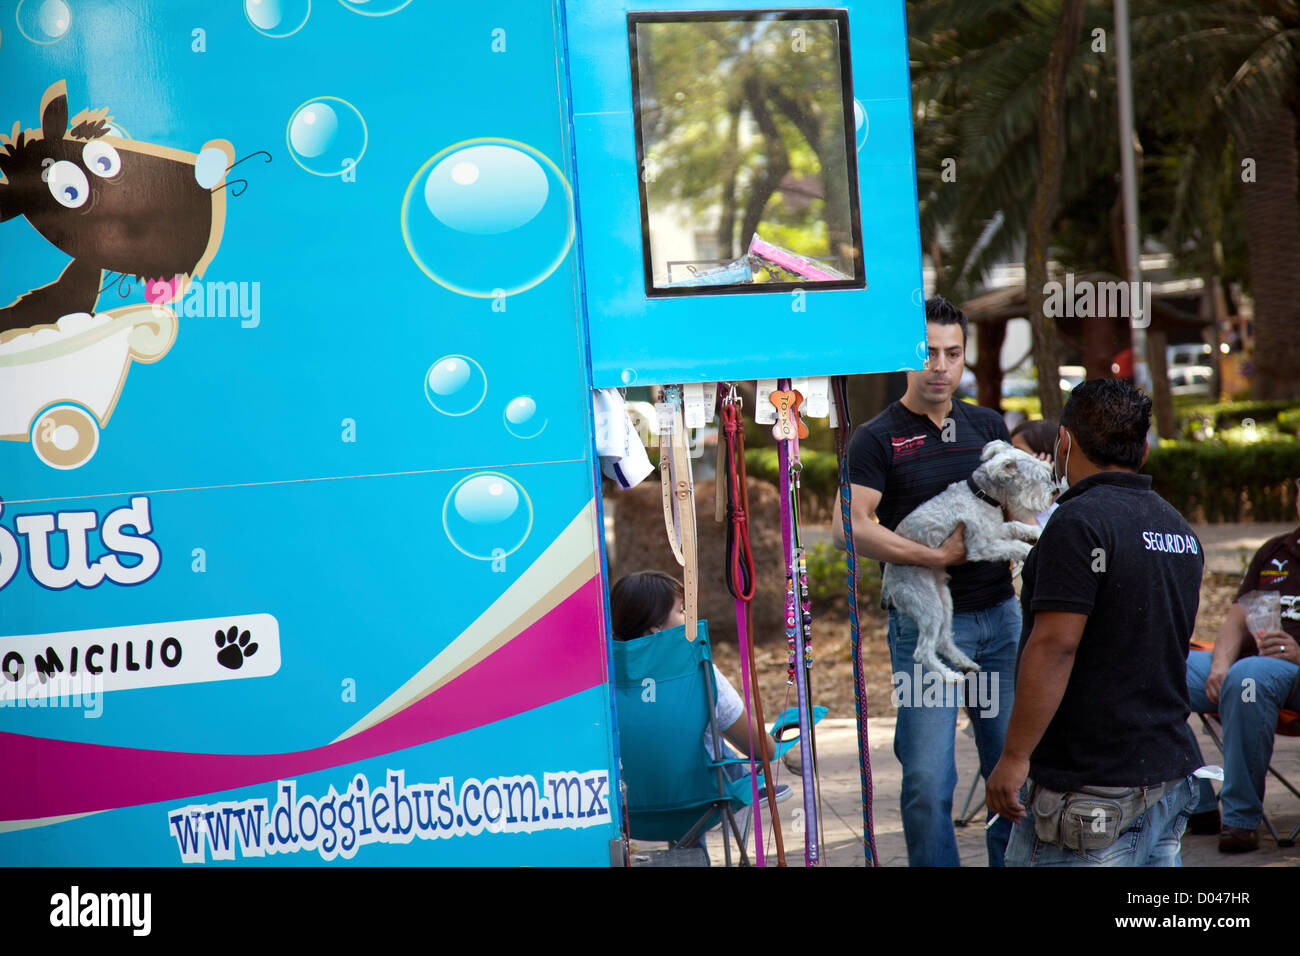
<point x="816" y="397"/>
<point x="765" y="412"/>
<point x="693" y="404"/>
<point x="141" y="655"/>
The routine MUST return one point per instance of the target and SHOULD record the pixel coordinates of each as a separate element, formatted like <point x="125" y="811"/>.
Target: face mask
<point x="1062" y="481"/>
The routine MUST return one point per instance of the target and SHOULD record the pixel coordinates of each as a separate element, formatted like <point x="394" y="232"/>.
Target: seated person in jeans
<point x="647" y="602"/>
<point x="1247" y="685"/>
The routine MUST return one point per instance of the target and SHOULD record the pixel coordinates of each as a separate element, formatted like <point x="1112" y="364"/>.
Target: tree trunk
<point x="1161" y="398"/>
<point x="988" y="363"/>
<point x="1272" y="223"/>
<point x="1051" y="156"/>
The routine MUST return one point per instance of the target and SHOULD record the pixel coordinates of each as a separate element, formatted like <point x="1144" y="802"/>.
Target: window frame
<point x="850" y="149"/>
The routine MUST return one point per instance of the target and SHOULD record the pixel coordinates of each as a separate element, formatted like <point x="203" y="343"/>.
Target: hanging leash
<point x="787" y="431"/>
<point x="679" y="500"/>
<point x="742" y="585"/>
<point x="840" y="388"/>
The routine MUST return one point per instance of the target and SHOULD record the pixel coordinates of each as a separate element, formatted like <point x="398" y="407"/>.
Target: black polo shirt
<point x="1276" y="567"/>
<point x="909" y="460"/>
<point x="1119" y="553"/>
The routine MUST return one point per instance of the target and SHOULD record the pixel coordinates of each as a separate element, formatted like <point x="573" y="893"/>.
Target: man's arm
<point x="1045" y="666"/>
<point x="1227" y="649"/>
<point x="873" y="540"/>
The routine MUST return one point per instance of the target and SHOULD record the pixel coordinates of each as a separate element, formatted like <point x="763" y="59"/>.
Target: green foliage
<point x="1219" y="482"/>
<point x="828" y="571"/>
<point x="1288" y="422"/>
<point x="819" y="480"/>
<point x="1206" y="421"/>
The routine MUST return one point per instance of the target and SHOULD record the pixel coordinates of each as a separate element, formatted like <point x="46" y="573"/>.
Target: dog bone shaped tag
<point x="788" y="423"/>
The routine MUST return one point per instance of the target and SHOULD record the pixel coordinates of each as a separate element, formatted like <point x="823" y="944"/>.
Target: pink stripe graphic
<point x="556" y="657"/>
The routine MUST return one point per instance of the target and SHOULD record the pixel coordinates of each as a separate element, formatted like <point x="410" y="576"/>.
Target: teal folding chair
<point x="665" y="696"/>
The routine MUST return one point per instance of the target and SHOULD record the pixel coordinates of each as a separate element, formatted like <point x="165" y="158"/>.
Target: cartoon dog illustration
<point x="115" y="206"/>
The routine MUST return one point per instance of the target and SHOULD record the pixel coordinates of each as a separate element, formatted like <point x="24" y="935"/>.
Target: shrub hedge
<point x="1197" y="421"/>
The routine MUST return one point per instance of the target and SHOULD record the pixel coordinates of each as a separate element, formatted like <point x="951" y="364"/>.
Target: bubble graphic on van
<point x="326" y="136"/>
<point x="522" y="419"/>
<point x="455" y="385"/>
<point x="487" y="217"/>
<point x="277" y="18"/>
<point x="487" y="515"/>
<point x="44" y="21"/>
<point x="486" y="189"/>
<point x="860" y="122"/>
<point x="374" y="8"/>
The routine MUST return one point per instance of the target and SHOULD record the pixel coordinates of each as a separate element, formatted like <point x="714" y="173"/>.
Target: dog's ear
<point x="995" y="447"/>
<point x="54" y="112"/>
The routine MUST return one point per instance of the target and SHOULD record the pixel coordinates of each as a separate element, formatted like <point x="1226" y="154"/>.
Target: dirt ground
<point x="832" y="672"/>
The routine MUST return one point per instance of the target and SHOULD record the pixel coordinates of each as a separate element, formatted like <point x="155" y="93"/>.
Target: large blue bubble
<point x="486" y="190"/>
<point x="488" y="217"/>
<point x="326" y="135"/>
<point x="374" y="8"/>
<point x="277" y="18"/>
<point x="487" y="515"/>
<point x="455" y="385"/>
<point x="44" y="21"/>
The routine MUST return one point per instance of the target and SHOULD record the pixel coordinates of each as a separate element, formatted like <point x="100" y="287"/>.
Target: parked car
<point x="1191" y="380"/>
<point x="1188" y="353"/>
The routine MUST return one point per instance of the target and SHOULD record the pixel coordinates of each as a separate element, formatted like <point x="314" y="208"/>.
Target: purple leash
<point x="794" y="615"/>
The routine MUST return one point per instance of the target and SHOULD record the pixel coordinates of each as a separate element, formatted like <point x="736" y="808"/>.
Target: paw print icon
<point x="234" y="646"/>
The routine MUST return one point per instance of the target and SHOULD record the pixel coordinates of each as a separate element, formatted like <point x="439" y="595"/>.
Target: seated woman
<point x="647" y="602"/>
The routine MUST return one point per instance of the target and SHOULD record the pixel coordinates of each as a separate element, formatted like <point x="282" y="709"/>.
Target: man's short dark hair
<point x="940" y="310"/>
<point x="1109" y="417"/>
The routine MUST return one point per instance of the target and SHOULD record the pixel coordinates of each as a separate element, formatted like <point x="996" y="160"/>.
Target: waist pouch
<point x="1091" y="818"/>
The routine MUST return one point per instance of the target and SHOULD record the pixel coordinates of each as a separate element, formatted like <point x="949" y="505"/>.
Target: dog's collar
<point x="982" y="495"/>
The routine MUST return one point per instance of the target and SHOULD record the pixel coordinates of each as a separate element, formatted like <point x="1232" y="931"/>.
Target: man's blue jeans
<point x="1154" y="840"/>
<point x="927" y="725"/>
<point x="1249" y="699"/>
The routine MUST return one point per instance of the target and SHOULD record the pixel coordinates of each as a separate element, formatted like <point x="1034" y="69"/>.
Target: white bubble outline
<point x="386" y="13"/>
<point x="19" y="24"/>
<point x="510" y="426"/>
<point x="277" y="36"/>
<point x="866" y="124"/>
<point x="452" y="494"/>
<point x="365" y="134"/>
<point x="489" y="141"/>
<point x="471" y="361"/>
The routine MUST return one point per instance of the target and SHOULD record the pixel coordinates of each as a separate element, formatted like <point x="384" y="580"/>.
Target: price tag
<point x="834" y="409"/>
<point x="710" y="401"/>
<point x="664" y="417"/>
<point x="816" y="396"/>
<point x="693" y="404"/>
<point x="765" y="413"/>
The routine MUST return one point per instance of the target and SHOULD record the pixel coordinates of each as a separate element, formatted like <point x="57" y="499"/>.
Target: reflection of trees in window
<point x="743" y="125"/>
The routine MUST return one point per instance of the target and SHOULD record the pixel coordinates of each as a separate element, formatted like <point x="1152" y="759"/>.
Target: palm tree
<point x="1229" y="66"/>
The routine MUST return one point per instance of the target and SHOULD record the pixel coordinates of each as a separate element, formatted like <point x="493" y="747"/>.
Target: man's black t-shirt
<point x="1119" y="553"/>
<point x="909" y="460"/>
<point x="1276" y="567"/>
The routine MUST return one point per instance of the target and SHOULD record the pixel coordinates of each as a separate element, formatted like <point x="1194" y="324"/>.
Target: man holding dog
<point x="907" y="454"/>
<point x="1098" y="744"/>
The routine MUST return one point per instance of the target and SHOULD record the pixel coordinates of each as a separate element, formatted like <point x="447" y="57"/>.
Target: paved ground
<point x="837" y="746"/>
<point x="1229" y="547"/>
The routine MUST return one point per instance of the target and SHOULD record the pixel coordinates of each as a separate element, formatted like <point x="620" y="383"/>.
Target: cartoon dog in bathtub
<point x="115" y="206"/>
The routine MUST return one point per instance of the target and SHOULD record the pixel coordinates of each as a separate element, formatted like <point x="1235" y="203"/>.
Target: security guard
<point x="1109" y="604"/>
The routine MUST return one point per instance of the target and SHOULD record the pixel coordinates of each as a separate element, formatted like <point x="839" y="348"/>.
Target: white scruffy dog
<point x="1007" y="478"/>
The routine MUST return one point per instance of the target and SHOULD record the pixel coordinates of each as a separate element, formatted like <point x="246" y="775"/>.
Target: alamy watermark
<point x="219" y="300"/>
<point x="921" y="688"/>
<point x="1088" y="299"/>
<point x="38" y="689"/>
